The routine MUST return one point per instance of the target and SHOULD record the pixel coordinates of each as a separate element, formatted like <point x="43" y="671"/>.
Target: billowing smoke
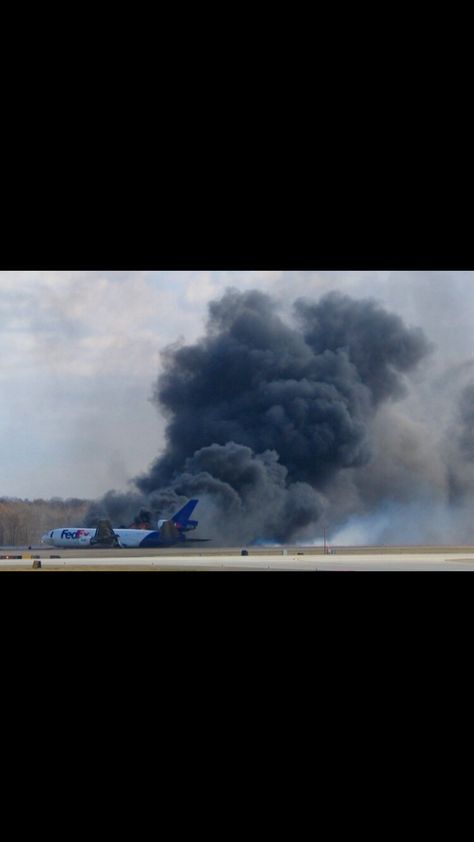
<point x="283" y="426"/>
<point x="418" y="487"/>
<point x="264" y="416"/>
<point x="306" y="392"/>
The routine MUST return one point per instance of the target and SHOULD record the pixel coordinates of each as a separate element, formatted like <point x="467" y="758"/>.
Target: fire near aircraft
<point x="169" y="532"/>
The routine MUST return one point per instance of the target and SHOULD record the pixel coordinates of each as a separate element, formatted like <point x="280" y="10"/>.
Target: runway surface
<point x="292" y="559"/>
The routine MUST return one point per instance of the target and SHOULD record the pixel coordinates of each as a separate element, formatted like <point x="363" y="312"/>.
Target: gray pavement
<point x="232" y="560"/>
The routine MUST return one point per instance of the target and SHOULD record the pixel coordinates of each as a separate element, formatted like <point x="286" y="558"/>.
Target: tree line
<point x="23" y="522"/>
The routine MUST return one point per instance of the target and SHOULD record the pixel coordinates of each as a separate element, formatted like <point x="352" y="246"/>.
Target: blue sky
<point x="81" y="352"/>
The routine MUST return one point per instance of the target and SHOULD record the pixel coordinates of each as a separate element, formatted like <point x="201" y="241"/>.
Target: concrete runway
<point x="301" y="559"/>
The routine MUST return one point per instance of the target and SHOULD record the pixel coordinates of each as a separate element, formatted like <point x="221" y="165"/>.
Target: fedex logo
<point x="66" y="533"/>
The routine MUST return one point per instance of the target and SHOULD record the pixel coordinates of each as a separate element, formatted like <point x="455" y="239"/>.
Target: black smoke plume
<point x="263" y="415"/>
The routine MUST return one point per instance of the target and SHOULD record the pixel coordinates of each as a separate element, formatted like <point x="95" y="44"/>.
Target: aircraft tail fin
<point x="181" y="518"/>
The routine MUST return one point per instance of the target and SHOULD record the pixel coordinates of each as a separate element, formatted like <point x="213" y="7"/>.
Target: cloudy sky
<point x="81" y="353"/>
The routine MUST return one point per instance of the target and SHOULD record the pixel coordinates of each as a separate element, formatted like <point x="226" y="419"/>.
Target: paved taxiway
<point x="310" y="559"/>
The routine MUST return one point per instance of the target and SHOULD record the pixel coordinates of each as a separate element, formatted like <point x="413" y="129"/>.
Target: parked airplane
<point x="168" y="532"/>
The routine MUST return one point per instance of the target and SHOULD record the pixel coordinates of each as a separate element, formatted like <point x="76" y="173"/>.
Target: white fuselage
<point x="81" y="537"/>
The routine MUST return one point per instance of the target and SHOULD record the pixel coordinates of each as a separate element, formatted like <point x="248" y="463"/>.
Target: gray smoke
<point x="376" y="342"/>
<point x="459" y="448"/>
<point x="264" y="415"/>
<point x="418" y="487"/>
<point x="124" y="508"/>
<point x="466" y="419"/>
<point x="341" y="416"/>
